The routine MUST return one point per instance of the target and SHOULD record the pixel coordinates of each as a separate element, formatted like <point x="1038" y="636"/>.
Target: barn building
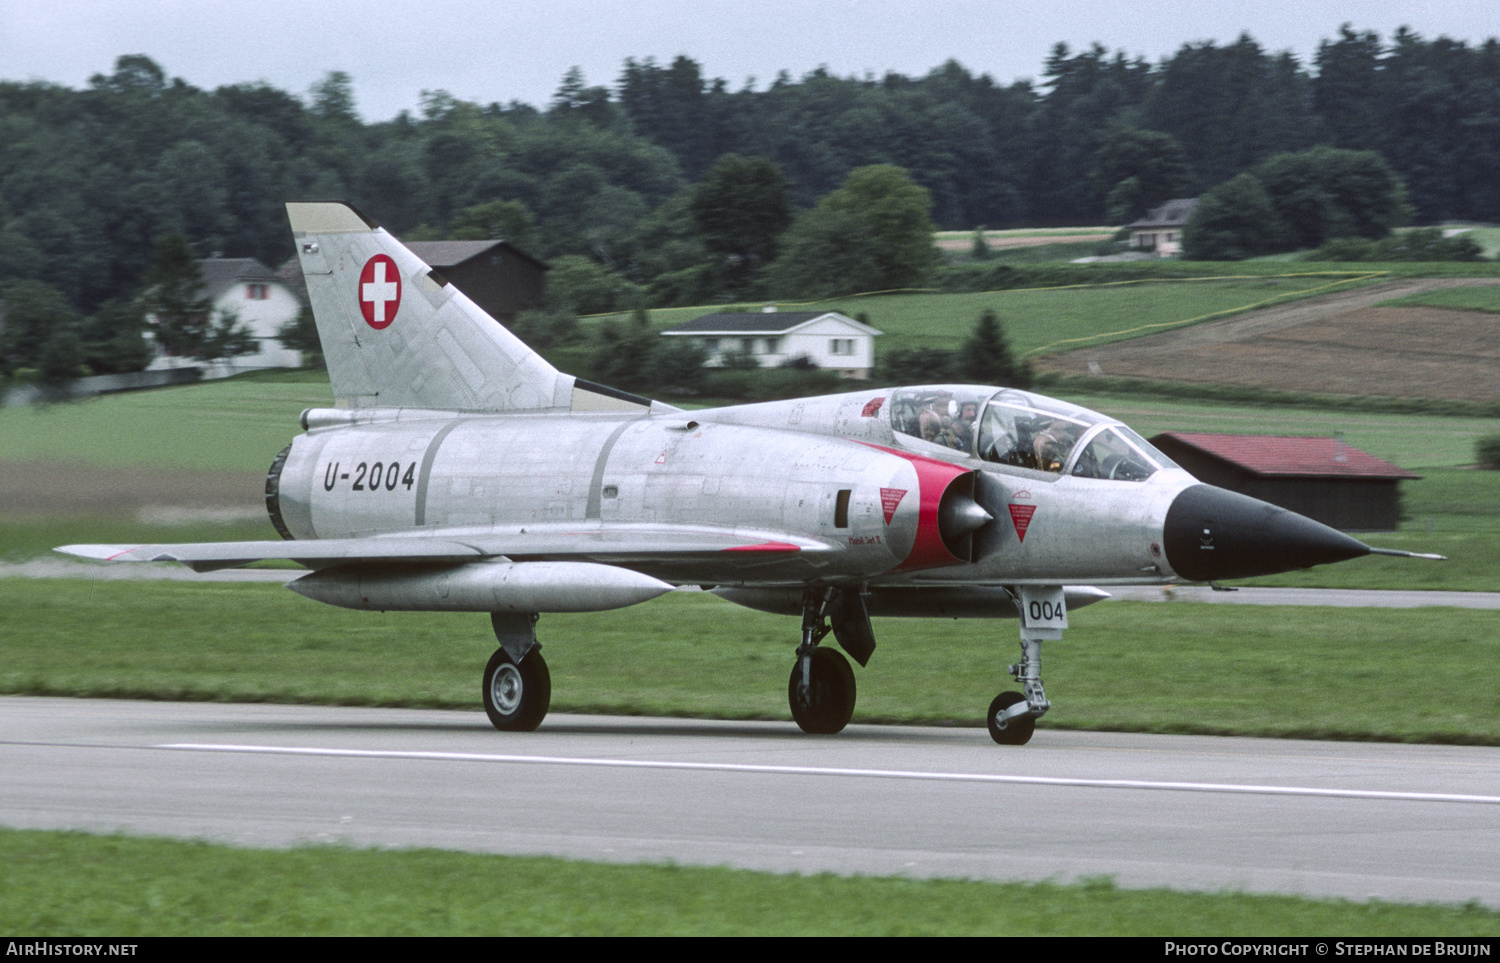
<point x="496" y="275"/>
<point x="1322" y="478"/>
<point x="828" y="339"/>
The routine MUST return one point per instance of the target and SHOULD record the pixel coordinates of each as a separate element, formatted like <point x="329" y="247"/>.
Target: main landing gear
<point x="517" y="686"/>
<point x="821" y="690"/>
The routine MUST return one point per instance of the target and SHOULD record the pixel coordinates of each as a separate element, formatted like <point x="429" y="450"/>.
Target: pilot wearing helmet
<point x="1052" y="444"/>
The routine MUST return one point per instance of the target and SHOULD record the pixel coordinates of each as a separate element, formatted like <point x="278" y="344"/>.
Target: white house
<point x="826" y="338"/>
<point x="1161" y="229"/>
<point x="251" y="292"/>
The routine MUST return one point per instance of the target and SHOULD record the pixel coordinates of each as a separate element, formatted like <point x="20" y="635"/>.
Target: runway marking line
<point x="1145" y="784"/>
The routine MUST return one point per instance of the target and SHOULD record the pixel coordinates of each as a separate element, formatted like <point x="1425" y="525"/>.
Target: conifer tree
<point x="986" y="358"/>
<point x="173" y="297"/>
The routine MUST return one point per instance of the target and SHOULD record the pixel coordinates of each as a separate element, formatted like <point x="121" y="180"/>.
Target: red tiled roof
<point x="1291" y="455"/>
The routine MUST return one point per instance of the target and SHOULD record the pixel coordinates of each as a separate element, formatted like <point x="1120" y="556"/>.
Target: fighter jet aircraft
<point x="462" y="472"/>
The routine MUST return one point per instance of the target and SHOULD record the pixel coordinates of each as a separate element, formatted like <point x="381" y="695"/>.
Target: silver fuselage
<point x="774" y="471"/>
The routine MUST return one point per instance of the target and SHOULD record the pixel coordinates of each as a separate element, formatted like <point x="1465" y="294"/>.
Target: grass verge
<point x="1197" y="668"/>
<point x="156" y="887"/>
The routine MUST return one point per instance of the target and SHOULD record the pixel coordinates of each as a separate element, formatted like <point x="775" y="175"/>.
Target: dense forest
<point x="92" y="179"/>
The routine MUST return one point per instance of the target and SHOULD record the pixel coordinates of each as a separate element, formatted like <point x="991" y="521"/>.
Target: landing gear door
<point x="851" y="624"/>
<point x="1043" y="610"/>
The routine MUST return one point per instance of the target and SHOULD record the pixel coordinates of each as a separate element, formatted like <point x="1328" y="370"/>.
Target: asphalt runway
<point x="1355" y="820"/>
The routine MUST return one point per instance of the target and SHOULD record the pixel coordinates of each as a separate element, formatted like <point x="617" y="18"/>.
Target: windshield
<point x="1028" y="431"/>
<point x="1109" y="455"/>
<point x="1044" y="434"/>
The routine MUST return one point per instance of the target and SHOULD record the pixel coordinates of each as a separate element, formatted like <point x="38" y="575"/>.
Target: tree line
<point x="670" y="187"/>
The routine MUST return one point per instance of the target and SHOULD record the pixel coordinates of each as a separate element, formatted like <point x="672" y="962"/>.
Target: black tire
<point x="830" y="698"/>
<point x="1015" y="731"/>
<point x="516" y="697"/>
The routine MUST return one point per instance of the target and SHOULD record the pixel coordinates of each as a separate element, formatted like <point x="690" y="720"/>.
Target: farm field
<point x="1349" y="343"/>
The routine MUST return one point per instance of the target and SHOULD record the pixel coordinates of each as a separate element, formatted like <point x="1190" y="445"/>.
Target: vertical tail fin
<point x="396" y="334"/>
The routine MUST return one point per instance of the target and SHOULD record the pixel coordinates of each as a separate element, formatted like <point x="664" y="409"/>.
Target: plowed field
<point x="1338" y="344"/>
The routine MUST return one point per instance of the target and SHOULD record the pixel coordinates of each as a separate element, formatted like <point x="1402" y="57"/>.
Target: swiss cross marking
<point x="379" y="291"/>
<point x="889" y="499"/>
<point x="872" y="408"/>
<point x="1020" y="516"/>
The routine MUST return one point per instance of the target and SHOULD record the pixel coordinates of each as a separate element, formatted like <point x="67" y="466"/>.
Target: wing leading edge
<point x="609" y="544"/>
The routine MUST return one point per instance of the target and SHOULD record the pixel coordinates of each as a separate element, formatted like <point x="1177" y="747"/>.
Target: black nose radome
<point x="1211" y="533"/>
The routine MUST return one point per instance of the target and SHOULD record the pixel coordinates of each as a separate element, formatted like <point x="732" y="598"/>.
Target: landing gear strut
<point x="1013" y="715"/>
<point x="517" y="685"/>
<point x="821" y="690"/>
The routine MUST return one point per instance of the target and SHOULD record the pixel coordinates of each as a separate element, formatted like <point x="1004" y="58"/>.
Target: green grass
<point x="1471" y="546"/>
<point x="1486" y="298"/>
<point x="155" y="887"/>
<point x="24" y="539"/>
<point x="238" y="424"/>
<point x="1198" y="668"/>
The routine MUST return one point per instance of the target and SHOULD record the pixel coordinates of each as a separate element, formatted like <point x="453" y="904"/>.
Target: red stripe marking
<point x="933" y="479"/>
<point x="765" y="547"/>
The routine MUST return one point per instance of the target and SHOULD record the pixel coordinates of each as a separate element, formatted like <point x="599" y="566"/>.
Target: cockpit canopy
<point x="1024" y="430"/>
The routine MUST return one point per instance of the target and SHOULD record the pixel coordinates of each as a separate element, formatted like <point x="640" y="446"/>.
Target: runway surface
<point x="1356" y="820"/>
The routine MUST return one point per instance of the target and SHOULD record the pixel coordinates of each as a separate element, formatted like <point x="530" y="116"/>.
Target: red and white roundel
<point x="379" y="291"/>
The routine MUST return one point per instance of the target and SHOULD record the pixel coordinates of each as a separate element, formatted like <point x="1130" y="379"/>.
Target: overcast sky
<point x="499" y="51"/>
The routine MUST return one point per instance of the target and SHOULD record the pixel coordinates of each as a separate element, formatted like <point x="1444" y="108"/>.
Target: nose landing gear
<point x="1012" y="716"/>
